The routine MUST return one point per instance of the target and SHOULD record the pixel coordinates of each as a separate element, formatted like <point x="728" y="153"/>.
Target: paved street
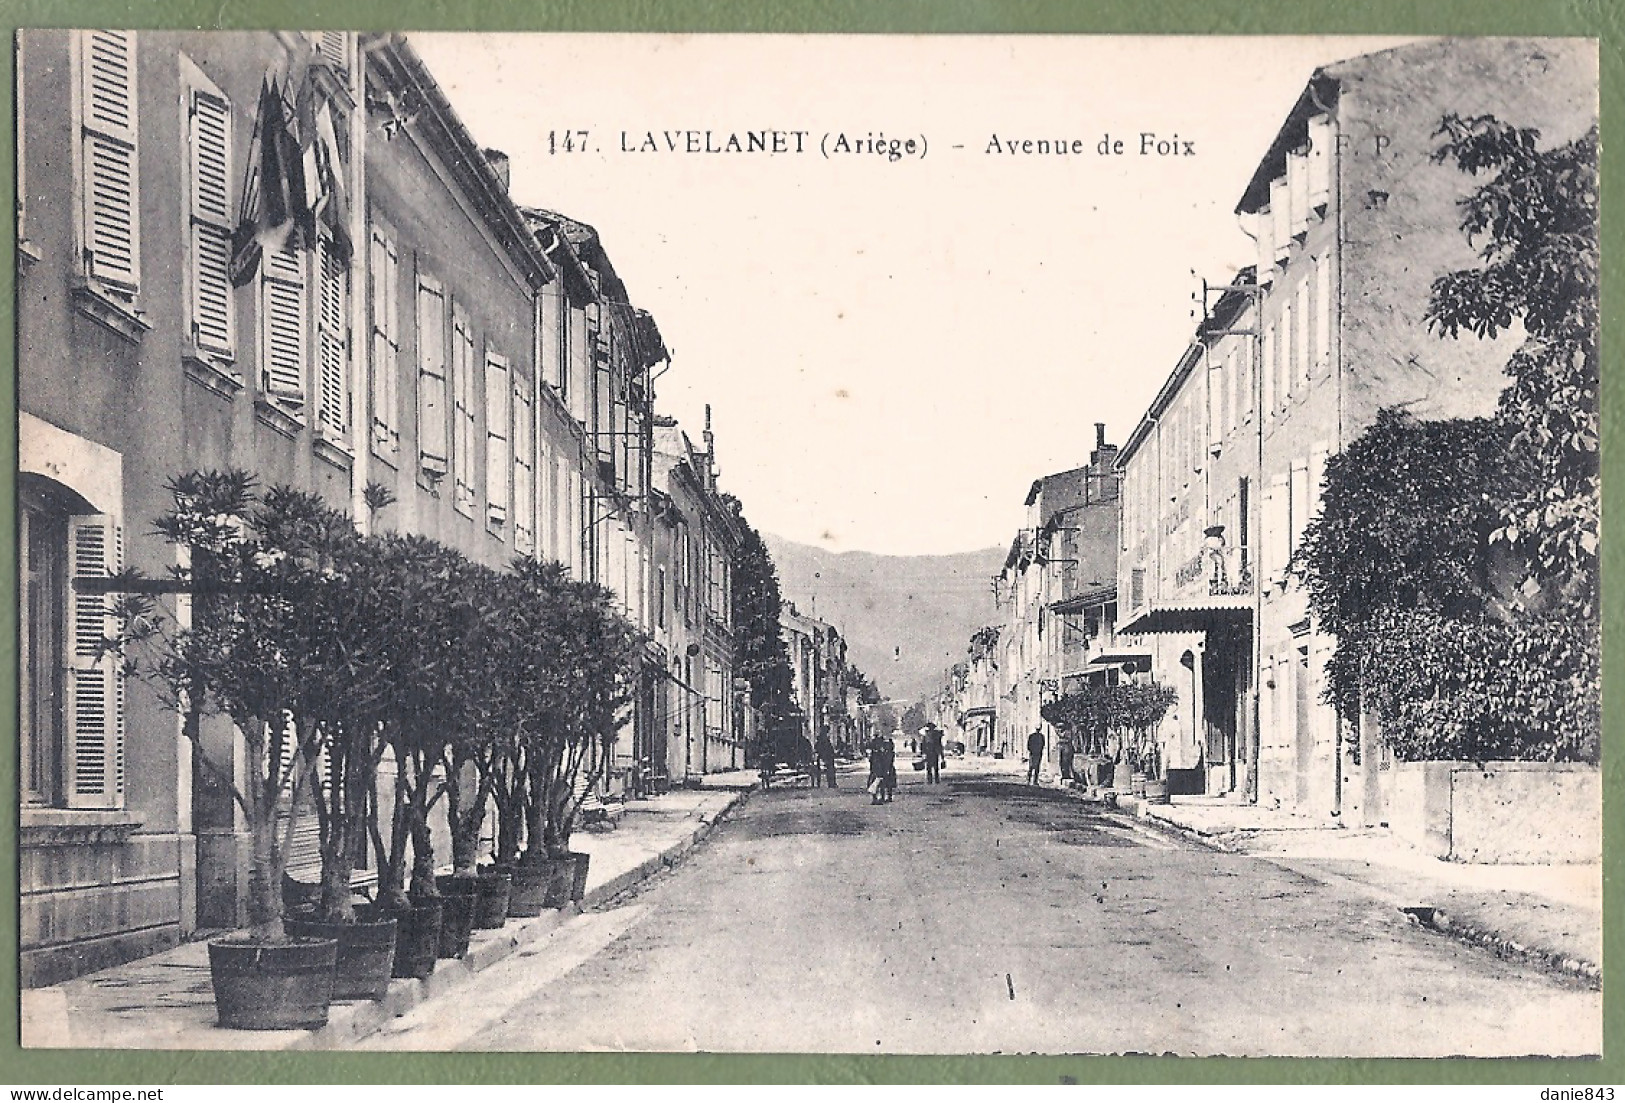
<point x="983" y="916"/>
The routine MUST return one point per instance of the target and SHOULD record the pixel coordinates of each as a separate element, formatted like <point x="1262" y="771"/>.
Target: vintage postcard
<point x="809" y="544"/>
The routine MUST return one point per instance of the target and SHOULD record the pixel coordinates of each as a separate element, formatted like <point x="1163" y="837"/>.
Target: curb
<point x="350" y="1022"/>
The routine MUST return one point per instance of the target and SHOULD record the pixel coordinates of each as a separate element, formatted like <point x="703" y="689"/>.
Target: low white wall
<point x="1539" y="813"/>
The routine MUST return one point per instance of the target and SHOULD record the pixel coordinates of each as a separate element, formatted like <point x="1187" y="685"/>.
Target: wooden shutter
<point x="1317" y="475"/>
<point x="109" y="181"/>
<point x="462" y="414"/>
<point x="332" y="344"/>
<point x="1323" y="312"/>
<point x="1320" y="162"/>
<point x="1281" y="212"/>
<point x="1269" y="350"/>
<point x="1284" y="353"/>
<point x="432" y="445"/>
<point x="334" y="48"/>
<point x="209" y="180"/>
<point x="1298" y="499"/>
<point x="1265" y="274"/>
<point x="385" y="273"/>
<point x="1297" y="182"/>
<point x="524" y="466"/>
<point x="1301" y="354"/>
<point x="284" y="326"/>
<point x="95" y="686"/>
<point x="498" y="459"/>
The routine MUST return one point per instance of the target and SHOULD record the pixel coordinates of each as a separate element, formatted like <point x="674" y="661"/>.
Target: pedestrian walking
<point x="826" y="758"/>
<point x="879" y="749"/>
<point x="1035" y="755"/>
<point x="931" y="748"/>
<point x="1065" y="749"/>
<point x="888" y="786"/>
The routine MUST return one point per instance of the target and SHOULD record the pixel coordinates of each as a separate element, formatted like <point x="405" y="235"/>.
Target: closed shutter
<point x="498" y="461"/>
<point x="284" y="326"/>
<point x="432" y="444"/>
<point x="524" y="467"/>
<point x="95" y="685"/>
<point x="109" y="184"/>
<point x="462" y="414"/>
<point x="209" y="151"/>
<point x="332" y="344"/>
<point x="385" y="273"/>
<point x="1276" y="539"/>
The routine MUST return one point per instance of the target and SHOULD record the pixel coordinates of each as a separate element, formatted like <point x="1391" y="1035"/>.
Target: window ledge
<point x="211" y="374"/>
<point x="74" y="827"/>
<point x="329" y="448"/>
<point x="277" y="419"/>
<point x="102" y="308"/>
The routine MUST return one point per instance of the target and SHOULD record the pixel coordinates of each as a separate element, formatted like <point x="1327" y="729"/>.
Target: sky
<point x="893" y="349"/>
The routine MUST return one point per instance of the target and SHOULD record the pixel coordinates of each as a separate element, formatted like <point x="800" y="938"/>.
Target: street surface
<point x="985" y="916"/>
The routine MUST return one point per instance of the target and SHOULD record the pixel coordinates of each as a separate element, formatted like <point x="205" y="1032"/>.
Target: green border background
<point x="1604" y="19"/>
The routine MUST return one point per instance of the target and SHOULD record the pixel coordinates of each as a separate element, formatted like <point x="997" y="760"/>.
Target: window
<point x="498" y="461"/>
<point x="575" y="363"/>
<point x="332" y="343"/>
<point x="211" y="304"/>
<point x="385" y="269"/>
<point x="462" y="413"/>
<point x="283" y="326"/>
<point x="1320" y="161"/>
<point x="524" y="467"/>
<point x="433" y="449"/>
<point x="660" y="597"/>
<point x="109" y="182"/>
<point x="1136" y="588"/>
<point x="72" y="695"/>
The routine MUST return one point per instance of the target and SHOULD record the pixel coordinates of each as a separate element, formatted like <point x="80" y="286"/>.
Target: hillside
<point x="906" y="618"/>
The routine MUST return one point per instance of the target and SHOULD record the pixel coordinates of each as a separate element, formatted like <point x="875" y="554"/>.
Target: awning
<point x="981" y="710"/>
<point x="1118" y="658"/>
<point x="1077" y="603"/>
<point x="1201" y="614"/>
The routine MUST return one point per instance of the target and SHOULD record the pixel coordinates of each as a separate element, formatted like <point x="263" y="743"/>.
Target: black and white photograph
<point x="808" y="544"/>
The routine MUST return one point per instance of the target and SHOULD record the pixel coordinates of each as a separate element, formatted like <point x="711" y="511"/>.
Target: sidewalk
<point x="1550" y="915"/>
<point x="166" y="1002"/>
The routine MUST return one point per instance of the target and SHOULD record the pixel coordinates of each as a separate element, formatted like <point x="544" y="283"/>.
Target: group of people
<point x="1065" y="749"/>
<point x="883" y="763"/>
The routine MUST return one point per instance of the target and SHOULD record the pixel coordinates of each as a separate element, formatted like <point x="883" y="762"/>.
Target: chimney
<point x="1100" y="434"/>
<point x="499" y="165"/>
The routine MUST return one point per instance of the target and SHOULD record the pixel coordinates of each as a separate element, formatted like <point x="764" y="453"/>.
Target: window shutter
<point x="332" y="344"/>
<point x="95" y="685"/>
<point x="498" y="461"/>
<point x="432" y="444"/>
<point x="1320" y="162"/>
<point x="1300" y="339"/>
<point x="462" y="414"/>
<point x="1299" y="505"/>
<point x="1269" y="369"/>
<point x="1297" y="182"/>
<point x="1317" y="476"/>
<point x="284" y="327"/>
<point x="1265" y="274"/>
<point x="1281" y="213"/>
<point x="334" y="48"/>
<point x="1284" y="353"/>
<point x="385" y="272"/>
<point x="109" y="185"/>
<point x="1323" y="313"/>
<point x="524" y="467"/>
<point x="209" y="150"/>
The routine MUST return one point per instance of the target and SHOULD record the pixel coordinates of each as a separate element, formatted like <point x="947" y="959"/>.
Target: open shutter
<point x="432" y="449"/>
<point x="334" y="49"/>
<point x="1320" y="162"/>
<point x="524" y="466"/>
<point x="1317" y="475"/>
<point x="1265" y="272"/>
<point x="385" y="271"/>
<point x="284" y="328"/>
<point x="1281" y="212"/>
<point x="209" y="153"/>
<point x="95" y="766"/>
<point x="1299" y="505"/>
<point x="333" y="352"/>
<point x="498" y="460"/>
<point x="1297" y="182"/>
<point x="109" y="185"/>
<point x="1301" y="355"/>
<point x="462" y="414"/>
<point x="1323" y="313"/>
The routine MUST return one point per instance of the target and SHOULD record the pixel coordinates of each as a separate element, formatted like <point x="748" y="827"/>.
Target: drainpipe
<point x="360" y="301"/>
<point x="1255" y="525"/>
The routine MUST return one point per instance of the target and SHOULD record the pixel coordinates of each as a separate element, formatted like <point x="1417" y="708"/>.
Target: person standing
<point x="931" y="748"/>
<point x="826" y="758"/>
<point x="879" y="747"/>
<point x="1035" y="755"/>
<point x="1065" y="750"/>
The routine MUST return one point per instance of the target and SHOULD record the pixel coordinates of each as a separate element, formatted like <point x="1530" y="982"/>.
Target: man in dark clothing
<point x="931" y="748"/>
<point x="1035" y="755"/>
<point x="826" y="757"/>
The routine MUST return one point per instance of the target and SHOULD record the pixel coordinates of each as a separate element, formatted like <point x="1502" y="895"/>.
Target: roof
<point x="1077" y="603"/>
<point x="1189" y="615"/>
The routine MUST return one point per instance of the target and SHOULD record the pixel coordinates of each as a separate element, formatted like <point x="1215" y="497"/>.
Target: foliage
<point x="1094" y="712"/>
<point x="1534" y="222"/>
<point x="1481" y="689"/>
<point x="760" y="655"/>
<point x="914" y="718"/>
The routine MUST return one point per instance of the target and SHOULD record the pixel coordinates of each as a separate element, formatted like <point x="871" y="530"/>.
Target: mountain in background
<point x="905" y="618"/>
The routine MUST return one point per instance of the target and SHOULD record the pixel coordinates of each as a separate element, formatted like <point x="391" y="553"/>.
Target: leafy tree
<point x="760" y="655"/>
<point x="1534" y="221"/>
<point x="914" y="718"/>
<point x="1094" y="713"/>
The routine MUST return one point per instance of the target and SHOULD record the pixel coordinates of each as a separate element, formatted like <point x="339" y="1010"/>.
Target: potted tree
<point x="227" y="656"/>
